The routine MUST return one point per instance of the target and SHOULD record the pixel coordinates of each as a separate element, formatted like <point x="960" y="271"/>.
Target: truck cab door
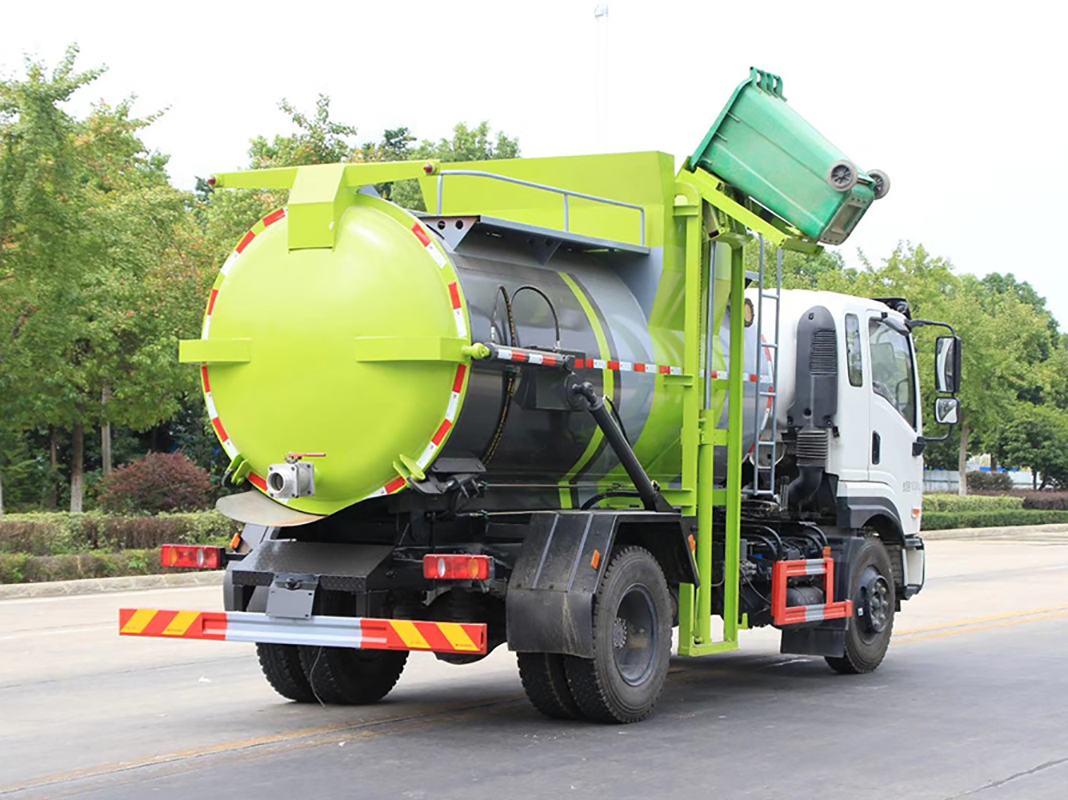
<point x="894" y="415"/>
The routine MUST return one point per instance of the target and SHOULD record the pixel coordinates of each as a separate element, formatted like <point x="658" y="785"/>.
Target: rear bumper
<point x="316" y="631"/>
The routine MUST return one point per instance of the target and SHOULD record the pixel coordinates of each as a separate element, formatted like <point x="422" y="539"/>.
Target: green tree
<point x="1037" y="438"/>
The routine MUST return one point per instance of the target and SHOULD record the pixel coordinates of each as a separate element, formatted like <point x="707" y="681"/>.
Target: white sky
<point x="961" y="103"/>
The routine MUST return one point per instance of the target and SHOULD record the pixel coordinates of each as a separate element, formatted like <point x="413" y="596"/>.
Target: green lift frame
<point x="735" y="222"/>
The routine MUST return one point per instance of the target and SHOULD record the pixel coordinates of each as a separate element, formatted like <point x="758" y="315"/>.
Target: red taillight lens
<point x="456" y="567"/>
<point x="188" y="556"/>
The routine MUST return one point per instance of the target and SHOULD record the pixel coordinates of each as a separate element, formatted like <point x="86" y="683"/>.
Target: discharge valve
<point x="295" y="478"/>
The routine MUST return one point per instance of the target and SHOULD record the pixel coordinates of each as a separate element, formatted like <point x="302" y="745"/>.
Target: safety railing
<point x="567" y="195"/>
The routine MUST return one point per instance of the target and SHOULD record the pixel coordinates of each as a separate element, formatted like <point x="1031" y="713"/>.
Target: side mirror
<point x="947" y="410"/>
<point x="947" y="364"/>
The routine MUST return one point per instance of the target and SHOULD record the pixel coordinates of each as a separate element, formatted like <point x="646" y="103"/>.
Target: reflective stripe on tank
<point x="209" y="401"/>
<point x="437" y="440"/>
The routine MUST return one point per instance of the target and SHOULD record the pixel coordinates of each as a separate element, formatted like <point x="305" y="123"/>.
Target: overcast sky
<point x="961" y="103"/>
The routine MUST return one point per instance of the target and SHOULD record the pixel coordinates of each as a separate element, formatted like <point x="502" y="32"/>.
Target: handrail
<point x="567" y="193"/>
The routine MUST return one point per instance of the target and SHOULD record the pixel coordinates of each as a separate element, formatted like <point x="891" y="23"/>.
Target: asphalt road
<point x="972" y="701"/>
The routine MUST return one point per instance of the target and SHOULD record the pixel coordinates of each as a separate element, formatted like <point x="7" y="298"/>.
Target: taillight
<point x="456" y="567"/>
<point x="189" y="556"/>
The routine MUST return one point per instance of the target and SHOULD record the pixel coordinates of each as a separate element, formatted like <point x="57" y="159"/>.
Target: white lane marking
<point x="57" y="631"/>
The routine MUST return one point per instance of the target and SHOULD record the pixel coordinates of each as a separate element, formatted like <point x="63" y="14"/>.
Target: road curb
<point x="133" y="583"/>
<point x="994" y="533"/>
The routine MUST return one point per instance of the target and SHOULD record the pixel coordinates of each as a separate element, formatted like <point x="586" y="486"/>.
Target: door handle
<point x="876" y="447"/>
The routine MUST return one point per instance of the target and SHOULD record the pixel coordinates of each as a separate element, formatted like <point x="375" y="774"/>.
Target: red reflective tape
<point x="454" y="295"/>
<point x="438" y="641"/>
<point x="245" y="242"/>
<point x="257" y="481"/>
<point x="159" y="623"/>
<point x="211" y="300"/>
<point x="458" y="384"/>
<point x="420" y="234"/>
<point x="270" y="219"/>
<point x="204" y="377"/>
<point x="639" y="367"/>
<point x="518" y="356"/>
<point x="379" y="634"/>
<point x="219" y="428"/>
<point x="210" y="625"/>
<point x="439" y="437"/>
<point x="613" y="365"/>
<point x="549" y="361"/>
<point x="477" y="634"/>
<point x="665" y="370"/>
<point x="395" y="485"/>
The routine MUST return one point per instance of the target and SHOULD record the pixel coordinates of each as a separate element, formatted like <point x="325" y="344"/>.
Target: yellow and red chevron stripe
<point x="357" y="633"/>
<point x="172" y="624"/>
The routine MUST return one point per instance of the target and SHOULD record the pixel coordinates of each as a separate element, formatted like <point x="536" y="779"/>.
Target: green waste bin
<point x="767" y="150"/>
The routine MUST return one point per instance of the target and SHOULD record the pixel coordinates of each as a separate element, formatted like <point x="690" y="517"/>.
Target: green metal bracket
<point x="239" y="470"/>
<point x="777" y="231"/>
<point x="410" y="348"/>
<point x="214" y="351"/>
<point x="320" y="193"/>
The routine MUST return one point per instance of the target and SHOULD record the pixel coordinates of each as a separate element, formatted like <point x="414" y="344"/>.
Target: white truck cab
<point x="862" y="398"/>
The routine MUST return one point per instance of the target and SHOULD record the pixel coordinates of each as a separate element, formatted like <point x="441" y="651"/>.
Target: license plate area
<point x="292" y="596"/>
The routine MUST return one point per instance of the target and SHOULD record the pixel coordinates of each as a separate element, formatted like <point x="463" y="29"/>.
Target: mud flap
<point x="549" y="605"/>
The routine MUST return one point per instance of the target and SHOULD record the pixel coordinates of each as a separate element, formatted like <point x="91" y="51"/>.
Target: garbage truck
<point x="556" y="412"/>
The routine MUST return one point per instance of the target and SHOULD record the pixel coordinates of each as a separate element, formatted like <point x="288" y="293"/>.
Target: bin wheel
<point x="631" y="642"/>
<point x="881" y="181"/>
<point x="842" y="176"/>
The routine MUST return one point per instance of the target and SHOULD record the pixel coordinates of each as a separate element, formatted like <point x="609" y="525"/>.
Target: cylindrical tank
<point x="355" y="356"/>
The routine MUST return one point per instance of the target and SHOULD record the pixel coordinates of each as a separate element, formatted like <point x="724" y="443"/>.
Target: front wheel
<point x="872" y="589"/>
<point x="631" y="641"/>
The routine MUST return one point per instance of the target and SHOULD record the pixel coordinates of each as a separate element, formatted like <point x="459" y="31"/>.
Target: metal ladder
<point x="764" y="390"/>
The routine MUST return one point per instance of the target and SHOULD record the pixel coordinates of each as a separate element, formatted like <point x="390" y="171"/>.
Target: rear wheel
<point x="631" y="641"/>
<point x="281" y="667"/>
<point x="545" y="682"/>
<point x="872" y="590"/>
<point x="344" y="676"/>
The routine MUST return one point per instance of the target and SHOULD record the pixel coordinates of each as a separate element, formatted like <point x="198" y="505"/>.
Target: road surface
<point x="971" y="702"/>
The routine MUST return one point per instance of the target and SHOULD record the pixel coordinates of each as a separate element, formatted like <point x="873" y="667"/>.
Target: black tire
<point x="344" y="676"/>
<point x="871" y="586"/>
<point x="281" y="667"/>
<point x="545" y="682"/>
<point x="622" y="683"/>
<point x="881" y="183"/>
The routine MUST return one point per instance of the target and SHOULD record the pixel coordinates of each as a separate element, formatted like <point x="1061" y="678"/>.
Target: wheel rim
<point x="874" y="604"/>
<point x="634" y="635"/>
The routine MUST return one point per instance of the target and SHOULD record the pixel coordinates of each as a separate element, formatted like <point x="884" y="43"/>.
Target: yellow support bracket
<point x="320" y="193"/>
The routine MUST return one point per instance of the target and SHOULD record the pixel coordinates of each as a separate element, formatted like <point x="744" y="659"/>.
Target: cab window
<point x="854" y="351"/>
<point x="892" y="375"/>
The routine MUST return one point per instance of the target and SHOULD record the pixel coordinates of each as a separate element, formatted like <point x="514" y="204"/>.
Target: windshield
<point x="891" y="368"/>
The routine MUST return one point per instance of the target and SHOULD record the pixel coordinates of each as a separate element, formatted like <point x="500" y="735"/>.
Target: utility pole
<point x="600" y="15"/>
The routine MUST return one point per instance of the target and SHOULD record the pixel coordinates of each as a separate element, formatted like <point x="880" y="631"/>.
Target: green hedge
<point x="942" y="520"/>
<point x="972" y="502"/>
<point x="55" y="533"/>
<point x="26" y="568"/>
